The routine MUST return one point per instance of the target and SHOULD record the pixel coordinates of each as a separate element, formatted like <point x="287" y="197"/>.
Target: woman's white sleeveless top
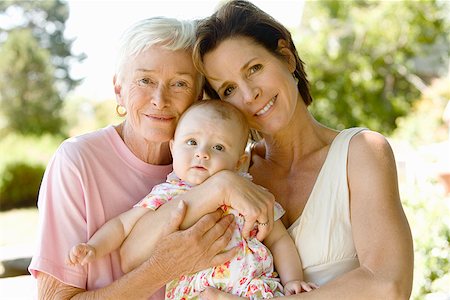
<point x="323" y="233"/>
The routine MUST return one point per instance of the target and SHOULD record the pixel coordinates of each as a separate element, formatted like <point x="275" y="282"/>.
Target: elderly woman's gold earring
<point x="121" y="111"/>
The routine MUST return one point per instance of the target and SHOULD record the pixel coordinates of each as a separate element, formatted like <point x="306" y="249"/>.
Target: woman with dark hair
<point x="339" y="189"/>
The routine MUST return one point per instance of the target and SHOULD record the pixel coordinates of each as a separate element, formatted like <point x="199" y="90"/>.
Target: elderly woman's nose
<point x="159" y="97"/>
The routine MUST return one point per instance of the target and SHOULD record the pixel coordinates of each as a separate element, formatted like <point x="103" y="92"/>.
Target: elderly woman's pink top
<point x="91" y="179"/>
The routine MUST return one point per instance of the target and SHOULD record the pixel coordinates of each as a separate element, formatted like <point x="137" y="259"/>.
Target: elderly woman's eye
<point x="219" y="147"/>
<point x="143" y="81"/>
<point x="191" y="142"/>
<point x="180" y="84"/>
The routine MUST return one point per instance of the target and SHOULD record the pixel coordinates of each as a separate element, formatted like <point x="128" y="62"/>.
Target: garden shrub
<point x="19" y="185"/>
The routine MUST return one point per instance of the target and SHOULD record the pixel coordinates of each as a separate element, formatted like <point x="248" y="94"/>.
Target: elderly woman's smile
<point x="158" y="85"/>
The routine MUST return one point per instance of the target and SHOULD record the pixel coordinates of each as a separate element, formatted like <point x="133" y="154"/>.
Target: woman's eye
<point x="180" y="84"/>
<point x="227" y="92"/>
<point x="254" y="68"/>
<point x="191" y="142"/>
<point x="219" y="147"/>
<point x="143" y="81"/>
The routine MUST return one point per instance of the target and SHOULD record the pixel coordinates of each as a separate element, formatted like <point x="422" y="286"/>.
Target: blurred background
<point x="377" y="64"/>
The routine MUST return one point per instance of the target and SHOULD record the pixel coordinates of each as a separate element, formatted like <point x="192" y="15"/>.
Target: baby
<point x="211" y="136"/>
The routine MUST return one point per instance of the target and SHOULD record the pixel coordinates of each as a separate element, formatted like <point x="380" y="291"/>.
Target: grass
<point x="32" y="150"/>
<point x="18" y="226"/>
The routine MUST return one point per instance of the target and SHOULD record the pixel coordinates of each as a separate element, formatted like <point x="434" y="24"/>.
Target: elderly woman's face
<point x="158" y="86"/>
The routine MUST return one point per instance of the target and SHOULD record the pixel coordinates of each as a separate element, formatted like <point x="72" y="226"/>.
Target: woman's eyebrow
<point x="243" y="68"/>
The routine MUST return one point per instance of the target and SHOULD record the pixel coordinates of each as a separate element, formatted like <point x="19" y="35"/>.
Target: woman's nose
<point x="250" y="93"/>
<point x="159" y="98"/>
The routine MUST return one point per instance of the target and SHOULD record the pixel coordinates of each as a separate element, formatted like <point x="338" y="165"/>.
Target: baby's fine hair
<point x="168" y="33"/>
<point x="225" y="111"/>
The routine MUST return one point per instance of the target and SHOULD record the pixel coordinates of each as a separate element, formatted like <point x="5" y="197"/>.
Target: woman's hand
<point x="226" y="187"/>
<point x="196" y="248"/>
<point x="254" y="202"/>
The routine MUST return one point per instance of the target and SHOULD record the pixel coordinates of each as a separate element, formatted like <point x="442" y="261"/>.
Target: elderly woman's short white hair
<point x="169" y="33"/>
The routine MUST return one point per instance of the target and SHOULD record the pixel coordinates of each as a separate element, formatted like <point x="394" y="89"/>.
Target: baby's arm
<point x="107" y="238"/>
<point x="287" y="261"/>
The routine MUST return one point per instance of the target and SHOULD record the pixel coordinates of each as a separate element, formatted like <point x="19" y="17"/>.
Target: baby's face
<point x="205" y="144"/>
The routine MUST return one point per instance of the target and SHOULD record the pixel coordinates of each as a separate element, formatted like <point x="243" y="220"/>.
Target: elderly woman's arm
<point x="175" y="254"/>
<point x="225" y="187"/>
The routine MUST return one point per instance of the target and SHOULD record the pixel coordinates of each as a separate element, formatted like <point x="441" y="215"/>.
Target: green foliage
<point x="20" y="185"/>
<point x="84" y="115"/>
<point x="28" y="96"/>
<point x="46" y="20"/>
<point x="425" y="123"/>
<point x="425" y="201"/>
<point x="368" y="60"/>
<point x="27" y="149"/>
<point x="427" y="210"/>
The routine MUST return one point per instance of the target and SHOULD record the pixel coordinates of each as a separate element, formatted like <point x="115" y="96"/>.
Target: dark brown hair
<point x="242" y="18"/>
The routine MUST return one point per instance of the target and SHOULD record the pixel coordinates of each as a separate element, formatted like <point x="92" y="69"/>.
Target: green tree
<point x="369" y="60"/>
<point x="46" y="20"/>
<point x="28" y="96"/>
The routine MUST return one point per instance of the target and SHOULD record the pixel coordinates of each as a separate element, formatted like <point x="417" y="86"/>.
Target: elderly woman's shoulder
<point x="87" y="142"/>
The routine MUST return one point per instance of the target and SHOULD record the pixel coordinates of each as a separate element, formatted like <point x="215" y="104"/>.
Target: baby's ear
<point x="242" y="164"/>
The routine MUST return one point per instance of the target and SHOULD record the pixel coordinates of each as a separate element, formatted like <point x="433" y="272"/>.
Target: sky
<point x="96" y="25"/>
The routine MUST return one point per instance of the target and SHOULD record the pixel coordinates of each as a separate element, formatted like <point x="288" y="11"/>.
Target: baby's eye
<point x="191" y="142"/>
<point x="219" y="147"/>
<point x="254" y="68"/>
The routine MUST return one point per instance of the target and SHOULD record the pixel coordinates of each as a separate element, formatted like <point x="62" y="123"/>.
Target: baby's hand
<point x="297" y="286"/>
<point x="81" y="254"/>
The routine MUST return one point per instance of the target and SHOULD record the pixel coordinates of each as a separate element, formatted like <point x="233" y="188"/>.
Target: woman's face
<point x="158" y="85"/>
<point x="254" y="80"/>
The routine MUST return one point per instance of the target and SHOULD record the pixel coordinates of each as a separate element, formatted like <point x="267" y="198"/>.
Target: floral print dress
<point x="249" y="274"/>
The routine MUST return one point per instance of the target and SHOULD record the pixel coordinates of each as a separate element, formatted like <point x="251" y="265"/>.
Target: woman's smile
<point x="158" y="117"/>
<point x="267" y="107"/>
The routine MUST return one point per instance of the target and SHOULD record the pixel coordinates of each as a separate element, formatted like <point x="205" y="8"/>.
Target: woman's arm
<point x="224" y="188"/>
<point x="380" y="229"/>
<point x="175" y="254"/>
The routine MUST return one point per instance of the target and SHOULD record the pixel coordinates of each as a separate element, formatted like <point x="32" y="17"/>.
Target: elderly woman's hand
<point x="196" y="248"/>
<point x="252" y="201"/>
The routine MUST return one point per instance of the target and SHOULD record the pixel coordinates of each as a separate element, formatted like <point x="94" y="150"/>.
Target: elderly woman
<point x="339" y="188"/>
<point x="96" y="176"/>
